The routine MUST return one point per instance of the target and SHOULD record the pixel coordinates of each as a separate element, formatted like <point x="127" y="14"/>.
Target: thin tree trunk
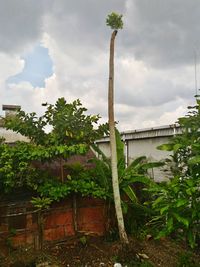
<point x="40" y="224"/>
<point x="74" y="207"/>
<point x="115" y="181"/>
<point x="61" y="170"/>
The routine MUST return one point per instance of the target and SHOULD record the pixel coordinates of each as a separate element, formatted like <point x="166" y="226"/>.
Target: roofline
<point x="162" y="127"/>
<point x="10" y="107"/>
<point x="129" y="135"/>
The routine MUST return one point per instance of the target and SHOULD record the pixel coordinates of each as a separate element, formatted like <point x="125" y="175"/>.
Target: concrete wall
<point x="10" y="136"/>
<point x="144" y="142"/>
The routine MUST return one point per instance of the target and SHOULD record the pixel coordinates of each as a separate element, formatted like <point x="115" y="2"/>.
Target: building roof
<point x="10" y="107"/>
<point x="160" y="131"/>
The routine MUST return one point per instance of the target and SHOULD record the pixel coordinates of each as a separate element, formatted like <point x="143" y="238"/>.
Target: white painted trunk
<point x="115" y="181"/>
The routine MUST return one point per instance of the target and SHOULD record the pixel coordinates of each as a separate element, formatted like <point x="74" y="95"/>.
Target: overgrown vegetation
<point x="174" y="208"/>
<point x="177" y="201"/>
<point x="132" y="180"/>
<point x="72" y="132"/>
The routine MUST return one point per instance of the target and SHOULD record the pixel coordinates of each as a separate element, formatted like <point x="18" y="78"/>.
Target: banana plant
<point x="128" y="176"/>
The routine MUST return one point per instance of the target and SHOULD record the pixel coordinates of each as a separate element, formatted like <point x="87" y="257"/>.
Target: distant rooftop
<point x="10" y="107"/>
<point x="160" y="131"/>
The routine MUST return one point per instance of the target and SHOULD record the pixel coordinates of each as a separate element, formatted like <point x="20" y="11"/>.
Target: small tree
<point x="178" y="200"/>
<point x="72" y="131"/>
<point x="115" y="22"/>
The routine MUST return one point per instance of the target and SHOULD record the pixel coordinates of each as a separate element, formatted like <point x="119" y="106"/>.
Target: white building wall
<point x="10" y="136"/>
<point x="144" y="143"/>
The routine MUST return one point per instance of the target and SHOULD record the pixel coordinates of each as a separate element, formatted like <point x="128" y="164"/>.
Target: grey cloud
<point x="21" y="23"/>
<point x="82" y="22"/>
<point x="162" y="33"/>
<point x="153" y="94"/>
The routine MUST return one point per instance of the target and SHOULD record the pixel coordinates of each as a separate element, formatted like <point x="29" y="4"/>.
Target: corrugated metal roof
<point x="153" y="132"/>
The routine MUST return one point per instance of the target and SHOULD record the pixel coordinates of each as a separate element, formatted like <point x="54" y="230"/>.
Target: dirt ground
<point x="96" y="252"/>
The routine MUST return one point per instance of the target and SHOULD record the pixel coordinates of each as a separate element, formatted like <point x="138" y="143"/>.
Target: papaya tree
<point x="115" y="22"/>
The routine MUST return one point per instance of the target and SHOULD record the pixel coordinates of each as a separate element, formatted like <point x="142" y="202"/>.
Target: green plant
<point x="114" y="21"/>
<point x="186" y="259"/>
<point x="16" y="169"/>
<point x="40" y="204"/>
<point x="135" y="173"/>
<point x="71" y="133"/>
<point x="83" y="240"/>
<point x="177" y="201"/>
<point x="131" y="179"/>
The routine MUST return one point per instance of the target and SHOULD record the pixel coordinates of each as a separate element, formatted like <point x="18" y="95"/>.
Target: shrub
<point x="177" y="201"/>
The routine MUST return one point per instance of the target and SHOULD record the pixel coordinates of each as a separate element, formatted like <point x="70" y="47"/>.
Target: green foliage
<point x="177" y="202"/>
<point x="83" y="240"/>
<point x="16" y="164"/>
<point x="41" y="202"/>
<point x="114" y="20"/>
<point x="16" y="169"/>
<point x="186" y="259"/>
<point x="68" y="122"/>
<point x="72" y="132"/>
<point x="135" y="172"/>
<point x="60" y="190"/>
<point x="131" y="181"/>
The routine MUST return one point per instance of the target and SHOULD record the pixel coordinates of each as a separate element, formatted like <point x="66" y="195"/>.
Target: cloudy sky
<point x="55" y="48"/>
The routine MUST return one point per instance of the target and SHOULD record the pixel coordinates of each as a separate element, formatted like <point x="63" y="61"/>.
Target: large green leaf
<point x="120" y="154"/>
<point x="103" y="173"/>
<point x="150" y="165"/>
<point x="166" y="147"/>
<point x="130" y="193"/>
<point x="101" y="154"/>
<point x="194" y="160"/>
<point x="136" y="162"/>
<point x="137" y="178"/>
<point x="181" y="219"/>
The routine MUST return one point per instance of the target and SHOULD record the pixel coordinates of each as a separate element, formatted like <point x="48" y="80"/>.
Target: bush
<point x="177" y="201"/>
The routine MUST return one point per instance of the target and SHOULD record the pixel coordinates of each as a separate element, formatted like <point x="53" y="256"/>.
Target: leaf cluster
<point x="79" y="180"/>
<point x="71" y="132"/>
<point x="115" y="21"/>
<point x="132" y="180"/>
<point x="68" y="124"/>
<point x="177" y="202"/>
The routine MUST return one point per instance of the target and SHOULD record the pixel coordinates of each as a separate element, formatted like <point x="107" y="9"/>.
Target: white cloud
<point x="154" y="70"/>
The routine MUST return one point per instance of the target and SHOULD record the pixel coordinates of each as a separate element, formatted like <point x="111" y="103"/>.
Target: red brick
<point x="19" y="239"/>
<point x="92" y="220"/>
<point x="29" y="238"/>
<point x="91" y="214"/>
<point x="29" y="221"/>
<point x="58" y="218"/>
<point x="54" y="233"/>
<point x="69" y="230"/>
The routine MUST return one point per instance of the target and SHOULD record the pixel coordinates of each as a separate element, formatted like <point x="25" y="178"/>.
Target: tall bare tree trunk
<point x="115" y="181"/>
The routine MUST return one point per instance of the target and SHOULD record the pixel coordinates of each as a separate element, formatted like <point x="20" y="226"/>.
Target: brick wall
<point x="18" y="220"/>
